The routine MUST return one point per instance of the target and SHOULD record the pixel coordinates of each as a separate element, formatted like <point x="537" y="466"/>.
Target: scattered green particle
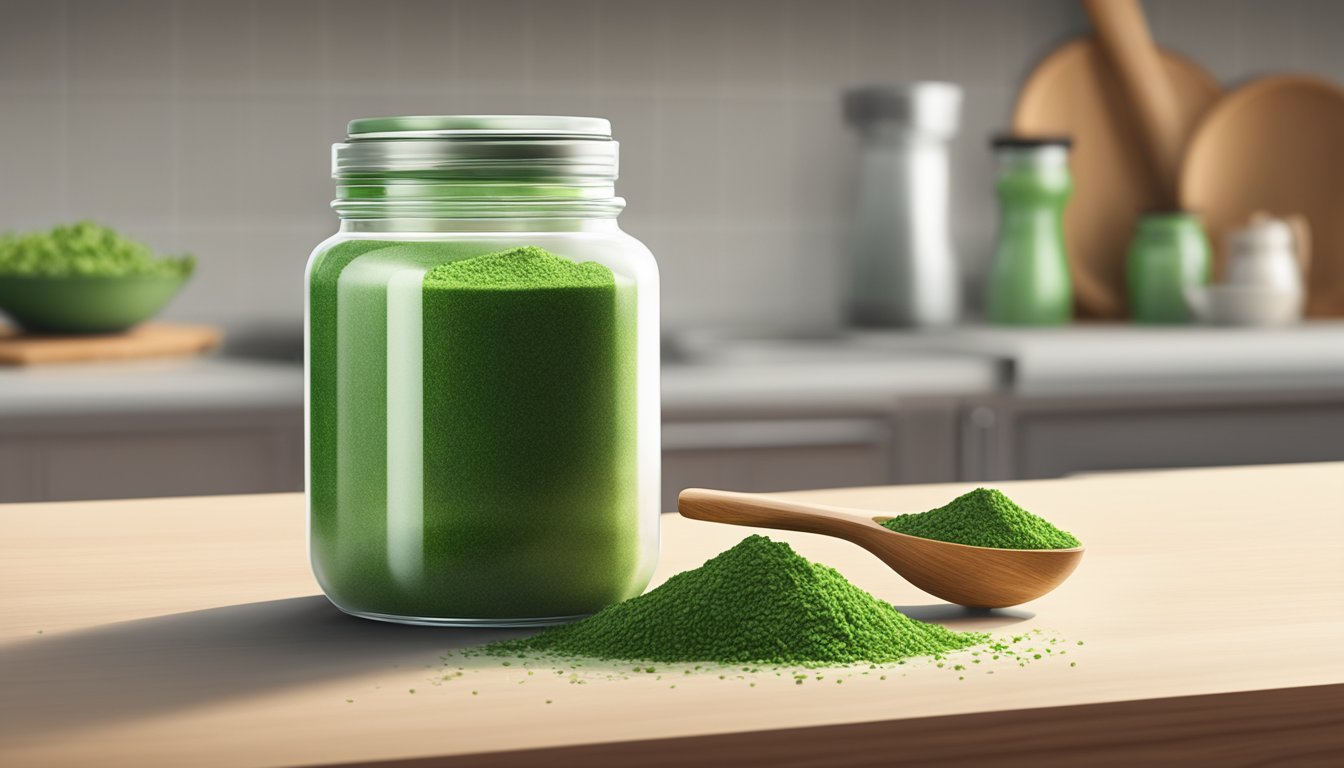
<point x="1073" y="663"/>
<point x="548" y="701"/>
<point x="412" y="690"/>
<point x="349" y="701"/>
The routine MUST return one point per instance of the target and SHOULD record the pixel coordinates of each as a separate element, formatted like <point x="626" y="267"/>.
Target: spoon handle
<point x="763" y="511"/>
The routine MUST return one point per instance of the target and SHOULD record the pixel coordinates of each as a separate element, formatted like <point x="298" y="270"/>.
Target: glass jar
<point x="482" y="361"/>
<point x="1169" y="254"/>
<point x="1029" y="281"/>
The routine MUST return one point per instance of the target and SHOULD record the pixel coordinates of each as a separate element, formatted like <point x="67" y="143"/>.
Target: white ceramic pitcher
<point x="1270" y="253"/>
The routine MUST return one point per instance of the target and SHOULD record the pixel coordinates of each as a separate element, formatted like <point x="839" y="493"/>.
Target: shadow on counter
<point x="149" y="667"/>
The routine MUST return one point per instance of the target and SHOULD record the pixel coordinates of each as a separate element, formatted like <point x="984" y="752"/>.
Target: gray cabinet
<point x="915" y="442"/>
<point x="1005" y="438"/>
<point x="133" y="455"/>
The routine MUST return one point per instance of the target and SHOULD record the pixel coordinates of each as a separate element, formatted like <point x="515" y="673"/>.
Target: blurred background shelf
<point x="747" y="412"/>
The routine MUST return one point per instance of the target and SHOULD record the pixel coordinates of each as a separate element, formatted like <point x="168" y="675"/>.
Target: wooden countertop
<point x="190" y="632"/>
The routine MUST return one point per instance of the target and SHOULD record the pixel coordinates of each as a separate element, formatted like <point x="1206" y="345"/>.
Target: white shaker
<point x="904" y="268"/>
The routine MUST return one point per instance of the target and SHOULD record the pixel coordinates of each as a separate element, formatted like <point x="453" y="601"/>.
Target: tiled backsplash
<point x="205" y="125"/>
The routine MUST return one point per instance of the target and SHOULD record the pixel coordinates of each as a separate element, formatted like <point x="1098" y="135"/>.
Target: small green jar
<point x="1029" y="281"/>
<point x="1169" y="253"/>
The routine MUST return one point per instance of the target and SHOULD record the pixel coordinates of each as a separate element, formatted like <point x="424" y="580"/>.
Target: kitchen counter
<point x="1205" y="619"/>
<point x="861" y="370"/>
<point x="208" y="383"/>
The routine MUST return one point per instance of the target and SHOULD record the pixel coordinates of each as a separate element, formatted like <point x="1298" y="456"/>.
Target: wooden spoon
<point x="977" y="577"/>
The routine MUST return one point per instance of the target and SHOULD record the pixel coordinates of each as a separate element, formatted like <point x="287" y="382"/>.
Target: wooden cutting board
<point x="1076" y="92"/>
<point x="1275" y="146"/>
<point x="149" y="340"/>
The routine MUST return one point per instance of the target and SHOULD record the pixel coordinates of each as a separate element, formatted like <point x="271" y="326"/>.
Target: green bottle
<point x="1169" y="253"/>
<point x="1029" y="281"/>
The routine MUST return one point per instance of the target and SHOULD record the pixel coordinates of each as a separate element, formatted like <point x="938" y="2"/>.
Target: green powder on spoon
<point x="984" y="518"/>
<point x="758" y="602"/>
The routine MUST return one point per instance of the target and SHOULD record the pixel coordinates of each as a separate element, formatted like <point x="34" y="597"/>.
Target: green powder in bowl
<point x="757" y="602"/>
<point x="984" y="518"/>
<point x="85" y="278"/>
<point x="85" y="249"/>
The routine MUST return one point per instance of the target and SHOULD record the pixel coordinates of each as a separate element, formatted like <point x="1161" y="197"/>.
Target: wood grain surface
<point x="189" y="632"/>
<point x="148" y="340"/>
<point x="1293" y="726"/>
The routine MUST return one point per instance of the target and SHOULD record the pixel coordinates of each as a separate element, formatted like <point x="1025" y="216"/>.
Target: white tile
<point x="693" y="160"/>
<point x="32" y="48"/>
<point x="563" y="45"/>
<point x="120" y="167"/>
<point x="288" y="162"/>
<point x="494" y="43"/>
<point x="821" y="44"/>
<point x="690" y="51"/>
<point x="358" y="51"/>
<point x="629" y="46"/>
<point x="896" y="41"/>
<point x="1321" y="23"/>
<point x="289" y="52"/>
<point x="823" y="160"/>
<point x="972" y="44"/>
<point x="1189" y="28"/>
<point x="31" y="162"/>
<point x="759" y="169"/>
<point x="214" y="48"/>
<point x="122" y="49"/>
<point x="426" y="52"/>
<point x="213" y="160"/>
<point x="755" y="43"/>
<point x="636" y="123"/>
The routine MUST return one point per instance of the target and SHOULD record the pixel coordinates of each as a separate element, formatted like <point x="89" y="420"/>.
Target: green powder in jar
<point x="758" y="602"/>
<point x="473" y="426"/>
<point x="984" y="518"/>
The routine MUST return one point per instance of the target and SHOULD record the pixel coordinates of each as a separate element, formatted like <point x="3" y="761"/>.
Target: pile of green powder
<point x="758" y="602"/>
<point x="984" y="518"/>
<point x="518" y="269"/>
<point x="85" y="249"/>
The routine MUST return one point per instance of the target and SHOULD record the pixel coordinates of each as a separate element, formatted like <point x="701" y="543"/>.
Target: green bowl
<point x="79" y="304"/>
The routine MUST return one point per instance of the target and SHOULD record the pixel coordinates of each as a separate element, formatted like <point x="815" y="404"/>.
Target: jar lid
<point x="470" y="126"/>
<point x="1014" y="141"/>
<point x="479" y="147"/>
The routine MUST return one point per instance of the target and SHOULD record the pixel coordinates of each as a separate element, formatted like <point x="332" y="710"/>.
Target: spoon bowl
<point x="976" y="577"/>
